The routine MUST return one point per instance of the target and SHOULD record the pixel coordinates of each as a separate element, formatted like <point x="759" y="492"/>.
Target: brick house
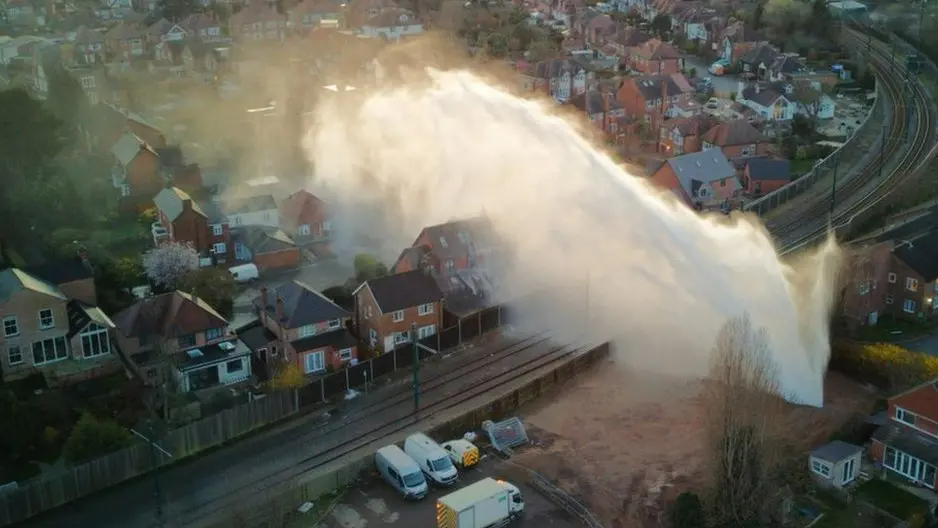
<point x="626" y="42"/>
<point x="893" y="278"/>
<point x="737" y="139"/>
<point x="656" y="58"/>
<point x="44" y="331"/>
<point x="258" y="21"/>
<point x="202" y="27"/>
<point x="702" y="180"/>
<point x="311" y="330"/>
<point x="682" y="135"/>
<point x="184" y="220"/>
<point x="651" y="99"/>
<point x="73" y="277"/>
<point x="108" y="123"/>
<point x="126" y="40"/>
<point x="739" y="39"/>
<point x="303" y="216"/>
<point x="387" y="308"/>
<point x="136" y="171"/>
<point x="267" y="247"/>
<point x="309" y="14"/>
<point x="764" y="175"/>
<point x="602" y="109"/>
<point x="907" y="444"/>
<point x="560" y="79"/>
<point x="182" y="337"/>
<point x="450" y="247"/>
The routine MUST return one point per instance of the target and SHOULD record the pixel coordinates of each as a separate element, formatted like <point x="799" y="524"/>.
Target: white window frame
<point x="303" y="229"/>
<point x="891" y="278"/>
<point x="397" y="316"/>
<point x="125" y="190"/>
<point x="14" y="351"/>
<point x="401" y="337"/>
<point x="911" y="284"/>
<point x="425" y="309"/>
<point x="821" y="468"/>
<point x="334" y="323"/>
<point x="55" y="355"/>
<point x="345" y="354"/>
<point x="889" y="299"/>
<point x="218" y="230"/>
<point x="305" y="331"/>
<point x="15" y="326"/>
<point x="426" y="331"/>
<point x="864" y="287"/>
<point x="902" y="416"/>
<point x="94" y="331"/>
<point x="309" y="365"/>
<point x="87" y="82"/>
<point x="51" y="319"/>
<point x="240" y="368"/>
<point x="851" y="464"/>
<point x="908" y="306"/>
<point x="222" y="245"/>
<point x="217" y="333"/>
<point x="920" y="466"/>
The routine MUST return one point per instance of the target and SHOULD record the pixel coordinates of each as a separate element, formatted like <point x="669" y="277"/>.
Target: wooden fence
<point x="51" y="490"/>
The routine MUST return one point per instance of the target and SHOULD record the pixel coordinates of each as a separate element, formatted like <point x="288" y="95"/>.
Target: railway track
<point x="909" y="143"/>
<point x="373" y="423"/>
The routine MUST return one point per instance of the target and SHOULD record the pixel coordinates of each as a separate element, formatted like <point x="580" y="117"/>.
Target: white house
<point x="252" y="211"/>
<point x="825" y="108"/>
<point x="209" y="366"/>
<point x="392" y="26"/>
<point x="771" y="102"/>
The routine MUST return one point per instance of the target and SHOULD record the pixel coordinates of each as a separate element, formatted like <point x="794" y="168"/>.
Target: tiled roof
<point x="762" y="54"/>
<point x="168" y="315"/>
<point x="127" y="147"/>
<point x="302" y="305"/>
<point x="767" y="169"/>
<point x="404" y="290"/>
<point x="171" y="201"/>
<point x="80" y="315"/>
<point x="650" y="85"/>
<point x="836" y="451"/>
<point x="702" y="167"/>
<point x="13" y="281"/>
<point x="735" y="132"/>
<point x="654" y="49"/>
<point x="262" y="240"/>
<point x="255" y="335"/>
<point x="459" y="237"/>
<point x="251" y="204"/>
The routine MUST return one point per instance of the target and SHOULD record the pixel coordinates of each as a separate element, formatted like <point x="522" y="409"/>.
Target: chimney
<point x="264" y="298"/>
<point x="280" y="316"/>
<point x="187" y="205"/>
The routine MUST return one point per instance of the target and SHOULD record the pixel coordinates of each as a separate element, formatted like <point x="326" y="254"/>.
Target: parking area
<point x="723" y="84"/>
<point x="377" y="504"/>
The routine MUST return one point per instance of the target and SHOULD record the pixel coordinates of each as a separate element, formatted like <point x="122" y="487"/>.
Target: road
<point x="196" y="483"/>
<point x="721" y="84"/>
<point x="925" y="345"/>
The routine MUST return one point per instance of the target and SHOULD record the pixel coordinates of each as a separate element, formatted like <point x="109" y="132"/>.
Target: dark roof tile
<point x="302" y="305"/>
<point x="404" y="290"/>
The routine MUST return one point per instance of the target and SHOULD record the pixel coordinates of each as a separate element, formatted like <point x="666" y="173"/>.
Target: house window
<point x="723" y="182"/>
<point x="95" y="342"/>
<point x="864" y="287"/>
<point x="234" y="366"/>
<point x="87" y="82"/>
<point x="314" y="362"/>
<point x="908" y="306"/>
<point x="904" y="416"/>
<point x="327" y="226"/>
<point x="707" y="145"/>
<point x="303" y="229"/>
<point x="49" y="350"/>
<point x="426" y="331"/>
<point x="425" y="309"/>
<point x="237" y="220"/>
<point x="398" y="316"/>
<point x="889" y="299"/>
<point x="449" y="265"/>
<point x="334" y="323"/>
<point x="46" y="320"/>
<point x="14" y="354"/>
<point x="186" y="341"/>
<point x="891" y="278"/>
<point x="267" y="217"/>
<point x="850" y="471"/>
<point x="443" y="242"/>
<point x="217" y="230"/>
<point x="909" y="467"/>
<point x="92" y="98"/>
<point x="401" y="337"/>
<point x="306" y="331"/>
<point x="219" y="248"/>
<point x="125" y="190"/>
<point x="911" y="284"/>
<point x="214" y="333"/>
<point x="11" y="327"/>
<point x="345" y="354"/>
<point x="821" y="468"/>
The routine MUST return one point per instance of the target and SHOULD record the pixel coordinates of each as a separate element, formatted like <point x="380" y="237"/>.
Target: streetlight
<point x="413" y="337"/>
<point x="155" y="468"/>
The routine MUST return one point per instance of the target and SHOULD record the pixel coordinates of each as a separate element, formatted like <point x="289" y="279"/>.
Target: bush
<point x="687" y="511"/>
<point x="287" y="377"/>
<point x="92" y="438"/>
<point x="887" y="366"/>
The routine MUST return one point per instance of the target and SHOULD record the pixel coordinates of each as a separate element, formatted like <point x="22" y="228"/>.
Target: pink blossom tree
<point x="167" y="264"/>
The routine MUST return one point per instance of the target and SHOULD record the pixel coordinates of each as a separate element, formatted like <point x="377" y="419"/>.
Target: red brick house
<point x="311" y="331"/>
<point x="651" y="99"/>
<point x="907" y="445"/>
<point x="739" y="39"/>
<point x="655" y="57"/>
<point x="184" y="220"/>
<point x="304" y="217"/>
<point x="894" y="277"/>
<point x="258" y="21"/>
<point x="764" y="175"/>
<point x="136" y="171"/>
<point x="126" y="40"/>
<point x="387" y="308"/>
<point x="267" y="247"/>
<point x="702" y="180"/>
<point x="626" y="42"/>
<point x="737" y="139"/>
<point x="602" y="109"/>
<point x="683" y="135"/>
<point x="450" y="247"/>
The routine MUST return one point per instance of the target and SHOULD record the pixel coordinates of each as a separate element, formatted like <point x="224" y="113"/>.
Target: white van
<point x="401" y="472"/>
<point x="432" y="459"/>
<point x="244" y="272"/>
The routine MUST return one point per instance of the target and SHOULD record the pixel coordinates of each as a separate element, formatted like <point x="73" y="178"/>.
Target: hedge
<point x="889" y="367"/>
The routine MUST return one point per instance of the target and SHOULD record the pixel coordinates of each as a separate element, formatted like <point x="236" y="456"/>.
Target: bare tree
<point x="742" y="406"/>
<point x="167" y="264"/>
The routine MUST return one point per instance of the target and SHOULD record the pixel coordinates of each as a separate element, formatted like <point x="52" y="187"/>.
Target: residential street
<point x="722" y="84"/>
<point x="926" y="345"/>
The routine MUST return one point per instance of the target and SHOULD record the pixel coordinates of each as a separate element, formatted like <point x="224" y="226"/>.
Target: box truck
<point x="488" y="503"/>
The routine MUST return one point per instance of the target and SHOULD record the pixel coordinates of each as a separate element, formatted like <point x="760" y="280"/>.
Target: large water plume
<point x="662" y="280"/>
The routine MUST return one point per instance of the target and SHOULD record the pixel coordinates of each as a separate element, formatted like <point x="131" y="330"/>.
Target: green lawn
<point x="847" y="517"/>
<point x="891" y="499"/>
<point x="801" y="167"/>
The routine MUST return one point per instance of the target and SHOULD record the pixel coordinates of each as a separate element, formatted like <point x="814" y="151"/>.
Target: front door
<point x="873" y="318"/>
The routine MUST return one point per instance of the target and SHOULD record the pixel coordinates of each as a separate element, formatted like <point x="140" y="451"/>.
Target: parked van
<point x="401" y="472"/>
<point x="244" y="272"/>
<point x="432" y="459"/>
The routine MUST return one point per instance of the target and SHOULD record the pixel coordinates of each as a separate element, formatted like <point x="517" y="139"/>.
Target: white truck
<point x="488" y="503"/>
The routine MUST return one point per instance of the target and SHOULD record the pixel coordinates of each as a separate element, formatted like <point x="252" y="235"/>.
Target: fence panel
<point x="490" y="318"/>
<point x="334" y="385"/>
<point x="469" y="327"/>
<point x="449" y="338"/>
<point x="359" y="374"/>
<point x="310" y="394"/>
<point x="405" y="356"/>
<point x="383" y="364"/>
<point x="429" y="342"/>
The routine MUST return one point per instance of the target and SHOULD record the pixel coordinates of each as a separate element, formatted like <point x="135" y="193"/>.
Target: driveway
<point x="723" y="84"/>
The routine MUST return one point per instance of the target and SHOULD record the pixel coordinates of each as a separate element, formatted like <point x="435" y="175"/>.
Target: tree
<point x="810" y="100"/>
<point x="368" y="267"/>
<point x="215" y="286"/>
<point x="785" y="17"/>
<point x="176" y="10"/>
<point x="286" y="377"/>
<point x="687" y="512"/>
<point x="167" y="264"/>
<point x="92" y="438"/>
<point x="66" y="99"/>
<point x="742" y="405"/>
<point x="757" y="15"/>
<point x="821" y="20"/>
<point x="661" y="25"/>
<point x="341" y="296"/>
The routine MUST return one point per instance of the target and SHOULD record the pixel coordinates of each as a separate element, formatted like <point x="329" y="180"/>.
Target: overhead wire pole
<point x="416" y="359"/>
<point x="882" y="154"/>
<point x="155" y="469"/>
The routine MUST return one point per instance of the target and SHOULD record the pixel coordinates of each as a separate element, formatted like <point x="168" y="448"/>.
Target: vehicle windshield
<point x="441" y="464"/>
<point x="516" y="498"/>
<point x="413" y="479"/>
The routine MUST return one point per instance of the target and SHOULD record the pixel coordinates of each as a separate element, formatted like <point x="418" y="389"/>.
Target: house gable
<point x="917" y="408"/>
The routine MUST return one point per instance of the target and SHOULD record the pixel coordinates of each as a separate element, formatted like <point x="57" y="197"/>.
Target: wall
<point x="191" y="227"/>
<point x="922" y="403"/>
<point x="25" y="306"/>
<point x="81" y="290"/>
<point x="224" y="378"/>
<point x="142" y="175"/>
<point x="270" y="218"/>
<point x="384" y="324"/>
<point x="288" y="258"/>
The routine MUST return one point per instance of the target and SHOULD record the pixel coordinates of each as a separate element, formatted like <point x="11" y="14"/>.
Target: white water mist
<point x="662" y="279"/>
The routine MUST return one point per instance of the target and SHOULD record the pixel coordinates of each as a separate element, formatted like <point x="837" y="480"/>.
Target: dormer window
<point x="702" y="192"/>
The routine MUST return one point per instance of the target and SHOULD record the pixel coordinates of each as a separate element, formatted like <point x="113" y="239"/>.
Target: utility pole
<point x="834" y="184"/>
<point x="882" y="154"/>
<point x="921" y="21"/>
<point x="413" y="336"/>
<point x="155" y="469"/>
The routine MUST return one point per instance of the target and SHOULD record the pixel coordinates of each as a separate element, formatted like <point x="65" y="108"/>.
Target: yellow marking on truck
<point x="445" y="516"/>
<point x="470" y="457"/>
